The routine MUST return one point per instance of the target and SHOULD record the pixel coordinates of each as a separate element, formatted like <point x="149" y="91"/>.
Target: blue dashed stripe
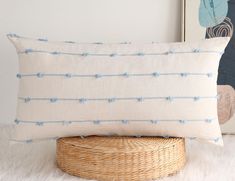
<point x="114" y="99"/>
<point x="29" y="141"/>
<point x="140" y="54"/>
<point x="123" y="121"/>
<point x="42" y="39"/>
<point x="13" y="35"/>
<point x="171" y="51"/>
<point x="125" y="74"/>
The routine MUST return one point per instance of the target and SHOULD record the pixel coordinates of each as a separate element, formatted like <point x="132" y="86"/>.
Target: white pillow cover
<point x="80" y="89"/>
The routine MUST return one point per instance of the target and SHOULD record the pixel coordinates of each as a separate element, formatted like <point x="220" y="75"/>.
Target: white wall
<point x="79" y="20"/>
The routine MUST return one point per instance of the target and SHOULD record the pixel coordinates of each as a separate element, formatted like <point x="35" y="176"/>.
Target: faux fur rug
<point x="36" y="161"/>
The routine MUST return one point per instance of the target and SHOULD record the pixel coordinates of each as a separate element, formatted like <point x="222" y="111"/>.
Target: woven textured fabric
<point x="80" y="89"/>
<point x="121" y="158"/>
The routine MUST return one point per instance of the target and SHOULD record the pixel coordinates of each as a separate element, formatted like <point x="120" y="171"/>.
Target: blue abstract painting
<point x="212" y="15"/>
<point x="212" y="12"/>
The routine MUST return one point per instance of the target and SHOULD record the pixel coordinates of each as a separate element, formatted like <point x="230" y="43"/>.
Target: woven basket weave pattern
<point x="120" y="158"/>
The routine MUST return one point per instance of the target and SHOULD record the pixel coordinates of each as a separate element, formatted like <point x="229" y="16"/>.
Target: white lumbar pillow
<point x="155" y="89"/>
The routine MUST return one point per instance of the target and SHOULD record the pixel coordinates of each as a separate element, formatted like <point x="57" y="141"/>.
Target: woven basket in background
<point x="121" y="158"/>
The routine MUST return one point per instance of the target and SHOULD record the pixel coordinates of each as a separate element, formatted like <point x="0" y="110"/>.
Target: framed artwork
<point x="208" y="19"/>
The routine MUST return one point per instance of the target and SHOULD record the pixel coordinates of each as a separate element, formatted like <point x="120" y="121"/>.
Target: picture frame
<point x="209" y="19"/>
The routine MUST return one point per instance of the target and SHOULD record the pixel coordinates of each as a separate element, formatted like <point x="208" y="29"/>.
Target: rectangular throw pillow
<point x="81" y="89"/>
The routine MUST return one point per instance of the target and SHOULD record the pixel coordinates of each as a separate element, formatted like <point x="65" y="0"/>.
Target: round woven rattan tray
<point x="121" y="158"/>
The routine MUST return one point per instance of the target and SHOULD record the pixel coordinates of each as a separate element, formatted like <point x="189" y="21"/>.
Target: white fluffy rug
<point x="36" y="161"/>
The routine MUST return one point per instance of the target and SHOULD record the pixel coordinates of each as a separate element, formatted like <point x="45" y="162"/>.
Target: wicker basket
<point x="121" y="158"/>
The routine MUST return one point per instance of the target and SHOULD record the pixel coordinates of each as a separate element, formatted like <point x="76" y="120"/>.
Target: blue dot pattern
<point x="112" y="100"/>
